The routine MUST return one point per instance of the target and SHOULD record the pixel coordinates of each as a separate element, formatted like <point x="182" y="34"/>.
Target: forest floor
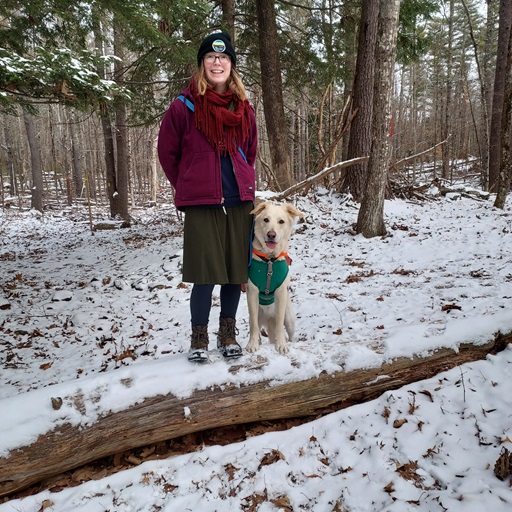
<point x="80" y="309"/>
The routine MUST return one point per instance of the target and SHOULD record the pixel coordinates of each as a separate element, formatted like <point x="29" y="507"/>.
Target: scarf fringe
<point x="224" y="129"/>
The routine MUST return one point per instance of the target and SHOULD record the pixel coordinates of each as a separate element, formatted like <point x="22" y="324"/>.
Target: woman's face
<point x="217" y="68"/>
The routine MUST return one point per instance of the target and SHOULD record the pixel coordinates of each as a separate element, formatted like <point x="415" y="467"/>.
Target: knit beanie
<point x="217" y="42"/>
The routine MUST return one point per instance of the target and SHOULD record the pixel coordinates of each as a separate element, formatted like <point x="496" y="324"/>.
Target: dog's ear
<point x="259" y="208"/>
<point x="293" y="212"/>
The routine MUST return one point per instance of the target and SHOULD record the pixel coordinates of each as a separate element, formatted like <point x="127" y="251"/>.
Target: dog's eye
<point x="266" y="219"/>
<point x="281" y="221"/>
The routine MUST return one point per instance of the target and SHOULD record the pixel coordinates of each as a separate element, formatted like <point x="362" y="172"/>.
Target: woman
<point x="207" y="147"/>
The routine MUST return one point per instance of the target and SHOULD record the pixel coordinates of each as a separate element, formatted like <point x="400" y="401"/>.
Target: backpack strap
<point x="187" y="102"/>
<point x="190" y="105"/>
<point x="242" y="153"/>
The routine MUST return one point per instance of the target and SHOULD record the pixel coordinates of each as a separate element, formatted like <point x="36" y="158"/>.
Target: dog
<point x="268" y="296"/>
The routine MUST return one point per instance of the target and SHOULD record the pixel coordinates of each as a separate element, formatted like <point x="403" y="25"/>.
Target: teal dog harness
<point x="268" y="275"/>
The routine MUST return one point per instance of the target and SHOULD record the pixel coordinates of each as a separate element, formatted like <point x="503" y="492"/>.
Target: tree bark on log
<point x="163" y="417"/>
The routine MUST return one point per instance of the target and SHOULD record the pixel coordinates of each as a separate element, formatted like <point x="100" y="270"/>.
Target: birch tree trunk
<point x="153" y="183"/>
<point x="370" y="221"/>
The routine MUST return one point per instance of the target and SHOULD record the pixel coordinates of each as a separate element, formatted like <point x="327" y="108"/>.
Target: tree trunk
<point x="446" y="125"/>
<point x="360" y="139"/>
<point x="161" y="417"/>
<point x="272" y="89"/>
<point x="76" y="160"/>
<point x="120" y="198"/>
<point x="505" y="174"/>
<point x="153" y="182"/>
<point x="11" y="171"/>
<point x="108" y="136"/>
<point x="370" y="221"/>
<point x="499" y="92"/>
<point x="123" y="165"/>
<point x="36" y="165"/>
<point x="57" y="183"/>
<point x="486" y="91"/>
<point x="228" y="17"/>
<point x="63" y="150"/>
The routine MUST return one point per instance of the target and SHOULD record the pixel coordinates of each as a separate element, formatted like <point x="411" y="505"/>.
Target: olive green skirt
<point x="216" y="244"/>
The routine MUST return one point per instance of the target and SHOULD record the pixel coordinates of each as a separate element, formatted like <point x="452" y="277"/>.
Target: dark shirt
<point x="230" y="190"/>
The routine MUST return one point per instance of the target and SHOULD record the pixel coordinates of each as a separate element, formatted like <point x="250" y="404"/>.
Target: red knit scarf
<point x="225" y="127"/>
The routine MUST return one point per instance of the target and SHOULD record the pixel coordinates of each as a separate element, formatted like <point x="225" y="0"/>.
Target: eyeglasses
<point x="210" y="58"/>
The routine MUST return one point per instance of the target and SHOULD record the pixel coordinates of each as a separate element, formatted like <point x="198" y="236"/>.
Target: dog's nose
<point x="271" y="235"/>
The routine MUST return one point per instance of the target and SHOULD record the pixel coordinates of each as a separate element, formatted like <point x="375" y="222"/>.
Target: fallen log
<point x="166" y="417"/>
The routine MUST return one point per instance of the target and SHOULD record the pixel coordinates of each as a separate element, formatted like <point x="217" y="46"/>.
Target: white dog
<point x="268" y="295"/>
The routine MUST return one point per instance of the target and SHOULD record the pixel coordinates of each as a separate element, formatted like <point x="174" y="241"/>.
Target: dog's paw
<point x="254" y="344"/>
<point x="252" y="347"/>
<point x="282" y="348"/>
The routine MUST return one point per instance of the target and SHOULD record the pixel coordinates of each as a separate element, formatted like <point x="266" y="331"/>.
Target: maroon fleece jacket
<point x="191" y="163"/>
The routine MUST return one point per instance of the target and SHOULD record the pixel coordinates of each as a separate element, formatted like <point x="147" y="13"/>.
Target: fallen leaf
<point x="427" y="393"/>
<point x="46" y="504"/>
<point x="449" y="307"/>
<point x="399" y="422"/>
<point x="389" y="488"/>
<point x="231" y="470"/>
<point x="282" y="503"/>
<point x="271" y="458"/>
<point x="254" y="501"/>
<point x="128" y="353"/>
<point x="56" y="402"/>
<point x="408" y="471"/>
<point x="503" y="466"/>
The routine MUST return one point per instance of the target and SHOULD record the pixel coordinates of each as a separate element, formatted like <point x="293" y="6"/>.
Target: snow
<point x="106" y="315"/>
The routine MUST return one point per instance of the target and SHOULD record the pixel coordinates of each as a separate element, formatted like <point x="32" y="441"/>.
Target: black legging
<point x="201" y="302"/>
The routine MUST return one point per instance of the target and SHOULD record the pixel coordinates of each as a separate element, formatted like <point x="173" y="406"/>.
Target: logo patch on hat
<point x="219" y="45"/>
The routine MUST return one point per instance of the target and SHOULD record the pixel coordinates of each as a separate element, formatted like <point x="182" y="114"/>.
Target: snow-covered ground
<point x="87" y="311"/>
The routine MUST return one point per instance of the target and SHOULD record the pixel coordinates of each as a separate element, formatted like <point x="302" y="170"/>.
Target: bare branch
<point x="313" y="179"/>
<point x="408" y="159"/>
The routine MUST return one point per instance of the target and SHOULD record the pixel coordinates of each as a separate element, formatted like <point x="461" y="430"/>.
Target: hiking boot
<point x="198" y="352"/>
<point x="226" y="338"/>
